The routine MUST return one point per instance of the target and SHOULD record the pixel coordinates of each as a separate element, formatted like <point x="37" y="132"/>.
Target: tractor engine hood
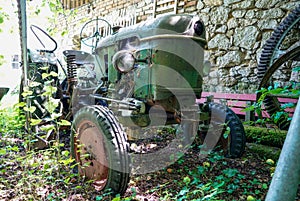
<point x="168" y="25"/>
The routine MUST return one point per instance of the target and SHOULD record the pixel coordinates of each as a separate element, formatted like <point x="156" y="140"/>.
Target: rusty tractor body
<point x="137" y="77"/>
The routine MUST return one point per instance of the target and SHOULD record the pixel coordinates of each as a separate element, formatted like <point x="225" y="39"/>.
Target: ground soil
<point x="252" y="176"/>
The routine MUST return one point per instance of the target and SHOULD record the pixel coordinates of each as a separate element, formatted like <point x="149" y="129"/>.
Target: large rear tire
<point x="225" y="132"/>
<point x="99" y="146"/>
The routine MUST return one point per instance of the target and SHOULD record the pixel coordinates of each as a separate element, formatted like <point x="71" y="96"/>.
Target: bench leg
<point x="249" y="116"/>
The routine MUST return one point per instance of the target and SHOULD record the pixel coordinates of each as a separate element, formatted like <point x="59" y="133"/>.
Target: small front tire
<point x="99" y="146"/>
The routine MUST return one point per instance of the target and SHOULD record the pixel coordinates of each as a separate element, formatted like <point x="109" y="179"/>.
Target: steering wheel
<point x="35" y="30"/>
<point x="97" y="35"/>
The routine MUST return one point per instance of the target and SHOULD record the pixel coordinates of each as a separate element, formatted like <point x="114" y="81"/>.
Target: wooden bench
<point x="238" y="102"/>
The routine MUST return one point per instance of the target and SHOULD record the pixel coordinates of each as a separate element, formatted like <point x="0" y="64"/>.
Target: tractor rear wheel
<point x="99" y="146"/>
<point x="225" y="131"/>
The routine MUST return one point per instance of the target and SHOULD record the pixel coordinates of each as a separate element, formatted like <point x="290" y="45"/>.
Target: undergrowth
<point x="48" y="175"/>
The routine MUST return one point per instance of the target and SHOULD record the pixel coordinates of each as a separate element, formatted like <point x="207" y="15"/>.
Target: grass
<point x="49" y="174"/>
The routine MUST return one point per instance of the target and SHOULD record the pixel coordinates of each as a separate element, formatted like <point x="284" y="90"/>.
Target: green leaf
<point x="227" y="132"/>
<point x="64" y="123"/>
<point x="52" y="104"/>
<point x="34" y="122"/>
<point x="67" y="161"/>
<point x="37" y="11"/>
<point x="2" y="151"/>
<point x="183" y="191"/>
<point x="250" y="108"/>
<point x="64" y="32"/>
<point x="265" y="186"/>
<point x="296" y="69"/>
<point x="288" y="105"/>
<point x="67" y="180"/>
<point x="44" y="68"/>
<point x="116" y="199"/>
<point x="30" y="109"/>
<point x="14" y="148"/>
<point x="276" y="91"/>
<point x="34" y="84"/>
<point x="1" y="19"/>
<point x="279" y="115"/>
<point x="34" y="165"/>
<point x="229" y="172"/>
<point x="295" y="91"/>
<point x="65" y="153"/>
<point x="47" y="128"/>
<point x="27" y="93"/>
<point x="49" y="90"/>
<point x="54" y="74"/>
<point x="187" y="180"/>
<point x="45" y="75"/>
<point x="20" y="104"/>
<point x="99" y="197"/>
<point x="52" y="5"/>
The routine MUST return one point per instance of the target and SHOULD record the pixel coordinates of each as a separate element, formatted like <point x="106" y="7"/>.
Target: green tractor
<point x="136" y="78"/>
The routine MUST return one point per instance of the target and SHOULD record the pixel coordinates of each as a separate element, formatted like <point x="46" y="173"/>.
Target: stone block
<point x="245" y="37"/>
<point x="273" y="13"/>
<point x="204" y="18"/>
<point x="250" y="14"/>
<point x="246" y="4"/>
<point x="221" y="29"/>
<point x="220" y="41"/>
<point x="219" y="15"/>
<point x="190" y="9"/>
<point x="232" y="23"/>
<point x="228" y="81"/>
<point x="229" y="2"/>
<point x="238" y="13"/>
<point x="231" y="58"/>
<point x="290" y="5"/>
<point x="267" y="24"/>
<point x="265" y="4"/>
<point x="213" y="2"/>
<point x="200" y="5"/>
<point x="206" y="10"/>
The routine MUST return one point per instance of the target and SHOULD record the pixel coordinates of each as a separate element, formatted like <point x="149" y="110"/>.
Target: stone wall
<point x="236" y="31"/>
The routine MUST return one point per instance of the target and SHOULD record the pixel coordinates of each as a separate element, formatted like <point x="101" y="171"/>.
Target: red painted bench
<point x="238" y="102"/>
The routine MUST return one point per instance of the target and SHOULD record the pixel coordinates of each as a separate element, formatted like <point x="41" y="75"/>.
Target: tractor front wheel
<point x="99" y="146"/>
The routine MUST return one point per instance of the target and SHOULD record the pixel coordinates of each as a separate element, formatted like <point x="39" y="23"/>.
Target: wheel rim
<point x="91" y="154"/>
<point x="223" y="143"/>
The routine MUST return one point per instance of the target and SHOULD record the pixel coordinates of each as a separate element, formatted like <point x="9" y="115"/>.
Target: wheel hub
<point x="91" y="153"/>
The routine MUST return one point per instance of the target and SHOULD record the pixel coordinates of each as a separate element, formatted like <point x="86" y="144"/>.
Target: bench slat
<point x="229" y="96"/>
<point x="238" y="102"/>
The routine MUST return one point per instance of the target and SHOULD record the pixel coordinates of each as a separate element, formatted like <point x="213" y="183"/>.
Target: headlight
<point x="199" y="27"/>
<point x="123" y="61"/>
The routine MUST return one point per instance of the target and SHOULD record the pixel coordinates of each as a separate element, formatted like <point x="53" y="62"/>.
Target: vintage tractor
<point x="140" y="77"/>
